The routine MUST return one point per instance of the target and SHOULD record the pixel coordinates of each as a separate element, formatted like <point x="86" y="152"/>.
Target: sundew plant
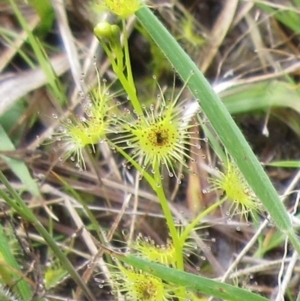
<point x="165" y="149"/>
<point x="163" y="135"/>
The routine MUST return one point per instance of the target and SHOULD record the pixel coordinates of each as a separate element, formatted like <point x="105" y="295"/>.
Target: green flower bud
<point x="107" y="31"/>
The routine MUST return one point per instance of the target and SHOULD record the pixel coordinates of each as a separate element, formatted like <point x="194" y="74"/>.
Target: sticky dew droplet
<point x="229" y="221"/>
<point x="124" y="232"/>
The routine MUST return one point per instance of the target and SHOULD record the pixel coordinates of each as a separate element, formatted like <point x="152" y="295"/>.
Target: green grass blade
<point x="286" y="164"/>
<point x="195" y="283"/>
<point x="45" y="10"/>
<point x="18" y="167"/>
<point x="288" y="16"/>
<point x="15" y="201"/>
<point x="21" y="286"/>
<point x="261" y="95"/>
<point x="40" y="54"/>
<point x="221" y="120"/>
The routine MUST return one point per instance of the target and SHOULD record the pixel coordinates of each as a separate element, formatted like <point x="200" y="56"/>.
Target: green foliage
<point x="10" y="272"/>
<point x="153" y="138"/>
<point x="40" y="55"/>
<point x="193" y="282"/>
<point x="222" y="122"/>
<point x="286" y="14"/>
<point x="46" y="13"/>
<point x="18" y="167"/>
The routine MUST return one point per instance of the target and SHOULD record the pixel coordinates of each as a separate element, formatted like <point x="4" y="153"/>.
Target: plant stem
<point x="133" y="97"/>
<point x="189" y="228"/>
<point x="168" y="215"/>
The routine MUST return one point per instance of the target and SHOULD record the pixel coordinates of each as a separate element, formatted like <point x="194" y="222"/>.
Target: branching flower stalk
<point x="110" y="39"/>
<point x="111" y="34"/>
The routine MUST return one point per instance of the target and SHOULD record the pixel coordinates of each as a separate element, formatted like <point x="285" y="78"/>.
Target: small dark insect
<point x="159" y="138"/>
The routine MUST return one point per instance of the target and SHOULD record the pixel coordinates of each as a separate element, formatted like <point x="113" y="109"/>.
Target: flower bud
<point x="107" y="31"/>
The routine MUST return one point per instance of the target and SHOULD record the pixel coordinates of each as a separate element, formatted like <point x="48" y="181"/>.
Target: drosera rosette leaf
<point x="54" y="274"/>
<point x="123" y="8"/>
<point x="190" y="33"/>
<point x="100" y="105"/>
<point x="163" y="135"/>
<point x="165" y="254"/>
<point x="76" y="133"/>
<point x="136" y="285"/>
<point x="73" y="136"/>
<point x="146" y="248"/>
<point x="236" y="190"/>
